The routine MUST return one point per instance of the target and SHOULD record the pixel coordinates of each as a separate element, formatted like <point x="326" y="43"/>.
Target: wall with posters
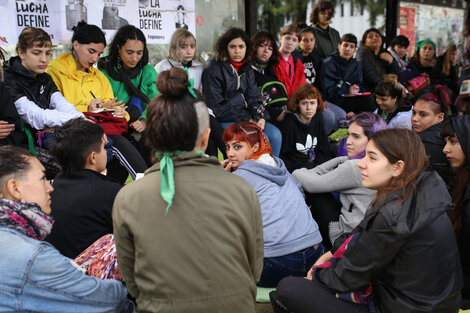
<point x="441" y="24"/>
<point x="158" y="19"/>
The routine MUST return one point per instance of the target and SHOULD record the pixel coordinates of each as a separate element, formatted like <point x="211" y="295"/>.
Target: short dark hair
<point x="172" y="122"/>
<point x="260" y="37"/>
<point x="400" y="40"/>
<point x="125" y="33"/>
<point x="321" y="5"/>
<point x="348" y="38"/>
<point x="74" y="141"/>
<point x="15" y="163"/>
<point x="85" y="33"/>
<point x="221" y="52"/>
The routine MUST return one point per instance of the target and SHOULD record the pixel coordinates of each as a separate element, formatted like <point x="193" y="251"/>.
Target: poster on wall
<point x="158" y="19"/>
<point x="407" y="25"/>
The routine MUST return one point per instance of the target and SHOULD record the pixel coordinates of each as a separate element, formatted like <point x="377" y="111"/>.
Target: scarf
<point x="402" y="63"/>
<point x="25" y="217"/>
<point x="426" y="63"/>
<point x="259" y="65"/>
<point x="125" y="75"/>
<point x="236" y="65"/>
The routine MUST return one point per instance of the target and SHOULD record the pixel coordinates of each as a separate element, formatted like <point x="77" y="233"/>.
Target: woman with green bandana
<point x="425" y="60"/>
<point x="188" y="234"/>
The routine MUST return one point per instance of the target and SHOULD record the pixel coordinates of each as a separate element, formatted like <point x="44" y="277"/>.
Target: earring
<point x="119" y="61"/>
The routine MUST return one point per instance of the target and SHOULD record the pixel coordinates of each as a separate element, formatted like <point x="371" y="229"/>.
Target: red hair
<point x="251" y="134"/>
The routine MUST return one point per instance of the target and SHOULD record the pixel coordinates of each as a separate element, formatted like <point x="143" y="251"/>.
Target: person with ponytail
<point x="230" y="87"/>
<point x="393" y="108"/>
<point x="456" y="133"/>
<point x="188" y="234"/>
<point x="427" y="119"/>
<point x="90" y="90"/>
<point x="402" y="257"/>
<point x="292" y="241"/>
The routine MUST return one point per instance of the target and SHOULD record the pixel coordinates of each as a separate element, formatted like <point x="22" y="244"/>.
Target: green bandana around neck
<point x="167" y="172"/>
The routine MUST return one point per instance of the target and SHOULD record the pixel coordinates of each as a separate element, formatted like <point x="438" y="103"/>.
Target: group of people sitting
<point x="242" y="186"/>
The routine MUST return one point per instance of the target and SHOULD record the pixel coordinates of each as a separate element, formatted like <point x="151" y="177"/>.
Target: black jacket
<point x="20" y="82"/>
<point x="338" y="75"/>
<point x="81" y="206"/>
<point x="9" y="114"/>
<point x="312" y="63"/>
<point x="434" y="144"/>
<point x="461" y="126"/>
<point x="232" y="96"/>
<point x="303" y="145"/>
<point x="407" y="250"/>
<point x="373" y="68"/>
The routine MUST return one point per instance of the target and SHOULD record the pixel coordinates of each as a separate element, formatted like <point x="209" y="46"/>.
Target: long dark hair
<point x="261" y="37"/>
<point x="221" y="50"/>
<point x="458" y="184"/>
<point x="125" y="33"/>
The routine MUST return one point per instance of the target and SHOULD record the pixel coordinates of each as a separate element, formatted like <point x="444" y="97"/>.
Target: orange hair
<point x="305" y="91"/>
<point x="251" y="134"/>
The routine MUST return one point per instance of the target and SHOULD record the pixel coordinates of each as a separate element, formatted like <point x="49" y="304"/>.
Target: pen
<point x="92" y="94"/>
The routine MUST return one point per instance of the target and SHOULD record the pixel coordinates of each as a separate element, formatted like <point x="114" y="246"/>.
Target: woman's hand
<point x="111" y="104"/>
<point x="350" y="115"/>
<point x="227" y="165"/>
<point x="387" y="57"/>
<point x="139" y="125"/>
<point x="261" y="123"/>
<point x="354" y="89"/>
<point x="281" y="116"/>
<point x="95" y="104"/>
<point x="324" y="258"/>
<point x="6" y="129"/>
<point x="120" y="112"/>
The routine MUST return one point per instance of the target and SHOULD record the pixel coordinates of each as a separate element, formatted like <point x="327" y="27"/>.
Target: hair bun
<point x="173" y="83"/>
<point x="79" y="25"/>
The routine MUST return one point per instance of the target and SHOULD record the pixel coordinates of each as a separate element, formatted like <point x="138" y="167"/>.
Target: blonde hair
<point x="180" y="37"/>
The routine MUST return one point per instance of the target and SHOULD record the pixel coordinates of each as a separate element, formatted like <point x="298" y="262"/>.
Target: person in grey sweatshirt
<point x="292" y="241"/>
<point x="342" y="175"/>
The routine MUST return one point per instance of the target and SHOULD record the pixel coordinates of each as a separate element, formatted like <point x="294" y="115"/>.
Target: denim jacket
<point x="35" y="277"/>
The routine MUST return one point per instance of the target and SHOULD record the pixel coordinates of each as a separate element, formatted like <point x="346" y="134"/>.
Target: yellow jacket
<point x="76" y="85"/>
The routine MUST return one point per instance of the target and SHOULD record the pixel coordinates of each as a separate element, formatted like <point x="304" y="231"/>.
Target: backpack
<point x="275" y="93"/>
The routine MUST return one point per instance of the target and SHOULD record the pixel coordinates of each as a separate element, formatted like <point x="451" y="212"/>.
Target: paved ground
<point x="264" y="308"/>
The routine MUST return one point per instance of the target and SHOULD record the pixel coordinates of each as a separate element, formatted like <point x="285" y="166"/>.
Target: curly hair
<point x="221" y="47"/>
<point x="305" y="91"/>
<point x="321" y="5"/>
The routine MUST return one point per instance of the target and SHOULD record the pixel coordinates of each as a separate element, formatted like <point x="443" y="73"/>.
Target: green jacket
<point x="205" y="255"/>
<point x="148" y="86"/>
<point x="327" y="41"/>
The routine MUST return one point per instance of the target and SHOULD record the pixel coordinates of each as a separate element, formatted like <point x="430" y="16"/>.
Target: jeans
<point x="294" y="264"/>
<point x="331" y="117"/>
<point x="273" y="135"/>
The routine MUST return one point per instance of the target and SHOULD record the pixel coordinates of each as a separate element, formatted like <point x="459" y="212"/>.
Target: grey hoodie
<point x="288" y="225"/>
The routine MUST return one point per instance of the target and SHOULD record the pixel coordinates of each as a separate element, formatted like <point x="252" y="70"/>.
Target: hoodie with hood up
<point x="288" y="225"/>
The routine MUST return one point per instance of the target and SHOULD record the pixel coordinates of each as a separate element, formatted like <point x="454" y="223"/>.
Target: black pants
<point x="216" y="138"/>
<point x="129" y="158"/>
<point x="299" y="295"/>
<point x="324" y="209"/>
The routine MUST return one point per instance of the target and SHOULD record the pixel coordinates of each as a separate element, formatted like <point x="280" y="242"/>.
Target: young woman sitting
<point x="292" y="242"/>
<point x="427" y="119"/>
<point x="425" y="60"/>
<point x="89" y="89"/>
<point x="342" y="175"/>
<point x="35" y="276"/>
<point x="393" y="108"/>
<point x="230" y="86"/>
<point x="405" y="235"/>
<point x="304" y="141"/>
<point x="456" y="134"/>
<point x="34" y="93"/>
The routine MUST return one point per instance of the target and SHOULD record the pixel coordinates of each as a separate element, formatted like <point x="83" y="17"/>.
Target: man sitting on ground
<point x="83" y="198"/>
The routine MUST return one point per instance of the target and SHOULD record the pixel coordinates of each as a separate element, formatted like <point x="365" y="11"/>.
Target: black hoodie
<point x="461" y="126"/>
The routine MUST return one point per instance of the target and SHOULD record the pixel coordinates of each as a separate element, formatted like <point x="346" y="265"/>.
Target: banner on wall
<point x="158" y="19"/>
<point x="407" y="25"/>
